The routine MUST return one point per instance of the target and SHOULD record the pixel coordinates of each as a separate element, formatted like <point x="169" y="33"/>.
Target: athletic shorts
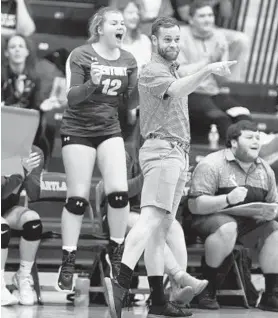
<point x="164" y="165"/>
<point x="92" y="142"/>
<point x="251" y="233"/>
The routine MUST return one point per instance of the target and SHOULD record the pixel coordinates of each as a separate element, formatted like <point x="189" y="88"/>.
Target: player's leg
<point x="79" y="160"/>
<point x="29" y="222"/>
<point x="169" y="189"/>
<point x="112" y="164"/>
<point x="176" y="261"/>
<point x="6" y="297"/>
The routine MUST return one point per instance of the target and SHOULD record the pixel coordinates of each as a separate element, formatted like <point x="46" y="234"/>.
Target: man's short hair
<point x="235" y="130"/>
<point x="163" y="22"/>
<point x="198" y="4"/>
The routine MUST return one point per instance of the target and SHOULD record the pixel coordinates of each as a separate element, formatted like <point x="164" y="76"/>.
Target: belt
<point x="173" y="142"/>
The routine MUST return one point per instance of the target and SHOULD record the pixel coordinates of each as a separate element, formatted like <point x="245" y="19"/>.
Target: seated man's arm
<point x="204" y="185"/>
<point x="32" y="180"/>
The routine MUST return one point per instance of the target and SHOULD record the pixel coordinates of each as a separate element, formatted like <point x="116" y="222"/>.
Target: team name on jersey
<point x="112" y="70"/>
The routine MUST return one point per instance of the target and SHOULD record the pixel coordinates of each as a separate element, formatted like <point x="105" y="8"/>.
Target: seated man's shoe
<point x="207" y="299"/>
<point x="115" y="296"/>
<point x="269" y="302"/>
<point x="168" y="310"/>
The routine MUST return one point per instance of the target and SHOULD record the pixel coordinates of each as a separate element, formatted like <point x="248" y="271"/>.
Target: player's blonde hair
<point x="97" y="20"/>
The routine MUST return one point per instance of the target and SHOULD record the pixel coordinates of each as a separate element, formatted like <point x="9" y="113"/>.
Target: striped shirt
<point x="220" y="172"/>
<point x="161" y="115"/>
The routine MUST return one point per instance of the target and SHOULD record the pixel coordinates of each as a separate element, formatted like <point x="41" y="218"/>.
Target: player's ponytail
<point x="96" y="21"/>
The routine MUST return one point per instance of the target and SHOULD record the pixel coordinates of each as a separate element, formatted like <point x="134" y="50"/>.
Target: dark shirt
<point x="28" y="98"/>
<point x="93" y="109"/>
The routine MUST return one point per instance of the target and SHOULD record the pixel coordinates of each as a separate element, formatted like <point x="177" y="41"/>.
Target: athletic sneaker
<point x="114" y="258"/>
<point x="184" y="279"/>
<point x="168" y="310"/>
<point x="24" y="285"/>
<point x="181" y="295"/>
<point x="115" y="295"/>
<point x="7" y="299"/>
<point x="66" y="271"/>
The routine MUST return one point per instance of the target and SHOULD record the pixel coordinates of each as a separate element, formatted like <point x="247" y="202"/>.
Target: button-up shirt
<point x="220" y="172"/>
<point x="160" y="114"/>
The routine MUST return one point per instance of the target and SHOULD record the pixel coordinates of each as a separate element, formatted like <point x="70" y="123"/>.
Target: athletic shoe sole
<point x="108" y="290"/>
<point x="59" y="289"/>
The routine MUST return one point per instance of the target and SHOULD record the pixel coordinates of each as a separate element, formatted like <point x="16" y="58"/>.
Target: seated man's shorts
<point x="164" y="166"/>
<point x="251" y="233"/>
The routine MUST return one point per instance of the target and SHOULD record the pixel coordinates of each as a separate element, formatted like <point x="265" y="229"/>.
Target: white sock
<point x="117" y="240"/>
<point x="69" y="248"/>
<point x="25" y="268"/>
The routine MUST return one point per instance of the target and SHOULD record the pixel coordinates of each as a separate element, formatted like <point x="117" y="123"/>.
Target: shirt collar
<point x="231" y="157"/>
<point x="159" y="59"/>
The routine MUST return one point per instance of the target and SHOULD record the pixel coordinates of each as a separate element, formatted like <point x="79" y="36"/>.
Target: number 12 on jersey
<point x="110" y="87"/>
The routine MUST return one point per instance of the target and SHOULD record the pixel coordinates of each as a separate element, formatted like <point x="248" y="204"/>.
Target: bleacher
<point x="259" y="93"/>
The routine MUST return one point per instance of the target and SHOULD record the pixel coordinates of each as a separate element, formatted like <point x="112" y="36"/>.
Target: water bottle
<point x="82" y="288"/>
<point x="213" y="137"/>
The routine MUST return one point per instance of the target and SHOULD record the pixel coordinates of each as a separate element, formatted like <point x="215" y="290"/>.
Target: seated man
<point x="175" y="250"/>
<point x="232" y="176"/>
<point x="21" y="218"/>
<point x="203" y="43"/>
<point x="238" y="42"/>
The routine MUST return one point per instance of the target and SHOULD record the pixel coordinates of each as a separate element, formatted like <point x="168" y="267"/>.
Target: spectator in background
<point x="149" y="11"/>
<point x="16" y="18"/>
<point x="14" y="216"/>
<point x="226" y="178"/>
<point x="20" y="84"/>
<point x="134" y="41"/>
<point x="238" y="42"/>
<point x="202" y="43"/>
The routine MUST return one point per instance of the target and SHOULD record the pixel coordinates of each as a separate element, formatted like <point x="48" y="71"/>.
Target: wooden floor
<point x="64" y="311"/>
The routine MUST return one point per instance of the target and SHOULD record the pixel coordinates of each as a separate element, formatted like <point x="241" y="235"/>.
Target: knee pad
<point x="32" y="230"/>
<point x="76" y="205"/>
<point x="5" y="235"/>
<point x="118" y="199"/>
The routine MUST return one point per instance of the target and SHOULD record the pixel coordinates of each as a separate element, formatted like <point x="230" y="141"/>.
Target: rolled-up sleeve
<point x="204" y="180"/>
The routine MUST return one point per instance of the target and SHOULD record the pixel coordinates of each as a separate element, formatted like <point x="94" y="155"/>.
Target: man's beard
<point x="165" y="55"/>
<point x="242" y="155"/>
